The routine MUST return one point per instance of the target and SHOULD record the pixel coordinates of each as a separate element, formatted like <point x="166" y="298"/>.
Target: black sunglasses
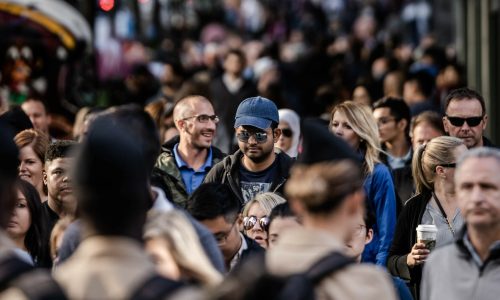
<point x="459" y="122"/>
<point x="287" y="132"/>
<point x="452" y="165"/>
<point x="244" y="136"/>
<point x="250" y="221"/>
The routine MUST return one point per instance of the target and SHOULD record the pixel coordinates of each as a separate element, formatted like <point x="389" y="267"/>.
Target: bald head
<point x="187" y="107"/>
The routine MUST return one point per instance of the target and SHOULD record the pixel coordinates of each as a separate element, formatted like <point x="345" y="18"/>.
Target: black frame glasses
<point x="459" y="122"/>
<point x="286" y="132"/>
<point x="244" y="136"/>
<point x="203" y="118"/>
<point x="250" y="221"/>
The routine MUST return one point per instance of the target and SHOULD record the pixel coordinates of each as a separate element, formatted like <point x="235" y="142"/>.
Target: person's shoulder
<point x="417" y="200"/>
<point x="370" y="281"/>
<point x="381" y="169"/>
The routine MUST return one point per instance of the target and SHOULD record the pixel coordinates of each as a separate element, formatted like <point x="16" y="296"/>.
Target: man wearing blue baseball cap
<point x="257" y="167"/>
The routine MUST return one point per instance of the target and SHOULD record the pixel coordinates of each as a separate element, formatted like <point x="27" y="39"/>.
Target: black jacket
<point x="402" y="177"/>
<point x="488" y="143"/>
<point x="405" y="236"/>
<point x="227" y="172"/>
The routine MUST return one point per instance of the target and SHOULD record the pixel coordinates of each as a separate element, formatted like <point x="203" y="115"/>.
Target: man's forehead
<point x="464" y="105"/>
<point x="479" y="168"/>
<point x="60" y="162"/>
<point x="251" y="128"/>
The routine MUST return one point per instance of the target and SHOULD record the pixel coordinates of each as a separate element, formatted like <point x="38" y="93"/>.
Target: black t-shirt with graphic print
<point x="253" y="183"/>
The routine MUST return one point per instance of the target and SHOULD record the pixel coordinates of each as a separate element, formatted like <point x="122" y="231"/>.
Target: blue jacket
<point x="381" y="199"/>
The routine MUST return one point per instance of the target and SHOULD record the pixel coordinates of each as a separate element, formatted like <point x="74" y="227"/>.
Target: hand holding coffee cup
<point x="427" y="234"/>
<point x="418" y="255"/>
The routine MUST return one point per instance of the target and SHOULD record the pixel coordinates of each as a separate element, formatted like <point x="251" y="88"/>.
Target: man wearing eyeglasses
<point x="257" y="167"/>
<point x="466" y="117"/>
<point x="187" y="158"/>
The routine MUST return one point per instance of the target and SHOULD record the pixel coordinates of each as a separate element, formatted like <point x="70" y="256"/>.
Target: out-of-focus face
<point x="233" y="64"/>
<point x="477" y="186"/>
<point x="340" y="126"/>
<point x="450" y="171"/>
<point x="422" y="134"/>
<point x="37" y="114"/>
<point x="467" y="108"/>
<point x="280" y="225"/>
<point x="388" y="127"/>
<point x="361" y="95"/>
<point x="31" y="167"/>
<point x="158" y="250"/>
<point x="358" y="238"/>
<point x="20" y="220"/>
<point x="286" y="137"/>
<point x="226" y="234"/>
<point x="198" y="129"/>
<point x="257" y="233"/>
<point x="59" y="185"/>
<point x="257" y="151"/>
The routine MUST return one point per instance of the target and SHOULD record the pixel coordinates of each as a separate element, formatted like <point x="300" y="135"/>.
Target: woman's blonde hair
<point x="362" y="122"/>
<point x="184" y="245"/>
<point x="267" y="202"/>
<point x="439" y="151"/>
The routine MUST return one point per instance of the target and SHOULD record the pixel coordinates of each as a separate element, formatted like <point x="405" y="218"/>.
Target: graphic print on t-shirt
<point x="251" y="189"/>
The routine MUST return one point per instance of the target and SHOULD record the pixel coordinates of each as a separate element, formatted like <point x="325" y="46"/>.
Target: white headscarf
<point x="293" y="120"/>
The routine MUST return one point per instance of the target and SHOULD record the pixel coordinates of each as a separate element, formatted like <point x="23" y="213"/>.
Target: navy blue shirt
<point x="253" y="183"/>
<point x="192" y="178"/>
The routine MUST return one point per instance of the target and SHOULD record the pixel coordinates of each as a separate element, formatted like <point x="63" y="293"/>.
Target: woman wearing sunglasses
<point x="433" y="171"/>
<point x="290" y="132"/>
<point x="256" y="216"/>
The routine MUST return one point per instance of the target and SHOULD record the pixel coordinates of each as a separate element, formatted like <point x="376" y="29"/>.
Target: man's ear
<point x="277" y="134"/>
<point x="369" y="236"/>
<point x="402" y="124"/>
<point x="485" y="121"/>
<point x="445" y="125"/>
<point x="44" y="177"/>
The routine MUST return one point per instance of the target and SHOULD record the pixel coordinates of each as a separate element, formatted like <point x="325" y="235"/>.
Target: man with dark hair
<point x="417" y="92"/>
<point x="257" y="167"/>
<point x="393" y="119"/>
<point x="111" y="180"/>
<point x="227" y="92"/>
<point x="186" y="159"/>
<point x="216" y="207"/>
<point x="466" y="118"/>
<point x="425" y="127"/>
<point x="56" y="175"/>
<point x="38" y="114"/>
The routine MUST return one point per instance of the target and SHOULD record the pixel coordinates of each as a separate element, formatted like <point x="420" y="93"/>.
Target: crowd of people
<point x="295" y="169"/>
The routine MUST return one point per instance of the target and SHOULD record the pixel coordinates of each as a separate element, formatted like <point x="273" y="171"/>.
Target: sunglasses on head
<point x="286" y="132"/>
<point x="250" y="221"/>
<point x="244" y="136"/>
<point x="458" y="122"/>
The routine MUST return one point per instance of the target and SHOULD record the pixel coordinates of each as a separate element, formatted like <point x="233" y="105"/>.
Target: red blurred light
<point x="106" y="5"/>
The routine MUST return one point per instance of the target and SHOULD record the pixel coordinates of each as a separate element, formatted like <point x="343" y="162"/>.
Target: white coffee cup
<point x="427" y="234"/>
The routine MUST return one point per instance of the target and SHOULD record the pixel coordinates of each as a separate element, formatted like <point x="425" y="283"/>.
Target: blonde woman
<point x="355" y="124"/>
<point x="433" y="171"/>
<point x="256" y="216"/>
<point x="173" y="244"/>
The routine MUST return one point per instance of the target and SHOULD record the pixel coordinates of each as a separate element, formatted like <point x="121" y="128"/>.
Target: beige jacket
<point x="104" y="268"/>
<point x="298" y="249"/>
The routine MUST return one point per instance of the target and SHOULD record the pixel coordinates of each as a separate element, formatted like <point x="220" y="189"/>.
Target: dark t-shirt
<point x="253" y="183"/>
<point x="49" y="217"/>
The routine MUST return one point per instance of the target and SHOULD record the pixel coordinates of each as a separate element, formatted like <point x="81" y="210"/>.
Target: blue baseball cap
<point x="257" y="112"/>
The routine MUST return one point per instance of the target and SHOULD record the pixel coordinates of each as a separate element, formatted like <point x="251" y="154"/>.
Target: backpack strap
<point x="156" y="287"/>
<point x="327" y="265"/>
<point x="12" y="267"/>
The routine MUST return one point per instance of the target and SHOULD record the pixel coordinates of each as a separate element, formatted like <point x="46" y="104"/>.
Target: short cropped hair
<point x="60" y="149"/>
<point x="212" y="200"/>
<point x="398" y="108"/>
<point x="462" y="94"/>
<point x="432" y="118"/>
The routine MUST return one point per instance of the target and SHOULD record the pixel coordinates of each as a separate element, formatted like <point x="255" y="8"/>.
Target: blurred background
<point x="303" y="54"/>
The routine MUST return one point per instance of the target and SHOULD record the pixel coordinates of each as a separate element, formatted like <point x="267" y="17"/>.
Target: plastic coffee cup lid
<point x="423" y="227"/>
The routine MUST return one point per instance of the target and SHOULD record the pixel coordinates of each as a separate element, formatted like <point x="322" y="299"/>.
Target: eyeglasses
<point x="356" y="231"/>
<point x="250" y="221"/>
<point x="221" y="237"/>
<point x="286" y="132"/>
<point x="459" y="122"/>
<point x="204" y="118"/>
<point x="452" y="165"/>
<point x="244" y="136"/>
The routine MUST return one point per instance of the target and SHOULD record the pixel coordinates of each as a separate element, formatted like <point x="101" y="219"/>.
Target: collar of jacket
<point x="494" y="252"/>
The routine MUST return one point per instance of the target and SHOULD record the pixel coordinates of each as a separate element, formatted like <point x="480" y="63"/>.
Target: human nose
<point x="22" y="166"/>
<point x="476" y="195"/>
